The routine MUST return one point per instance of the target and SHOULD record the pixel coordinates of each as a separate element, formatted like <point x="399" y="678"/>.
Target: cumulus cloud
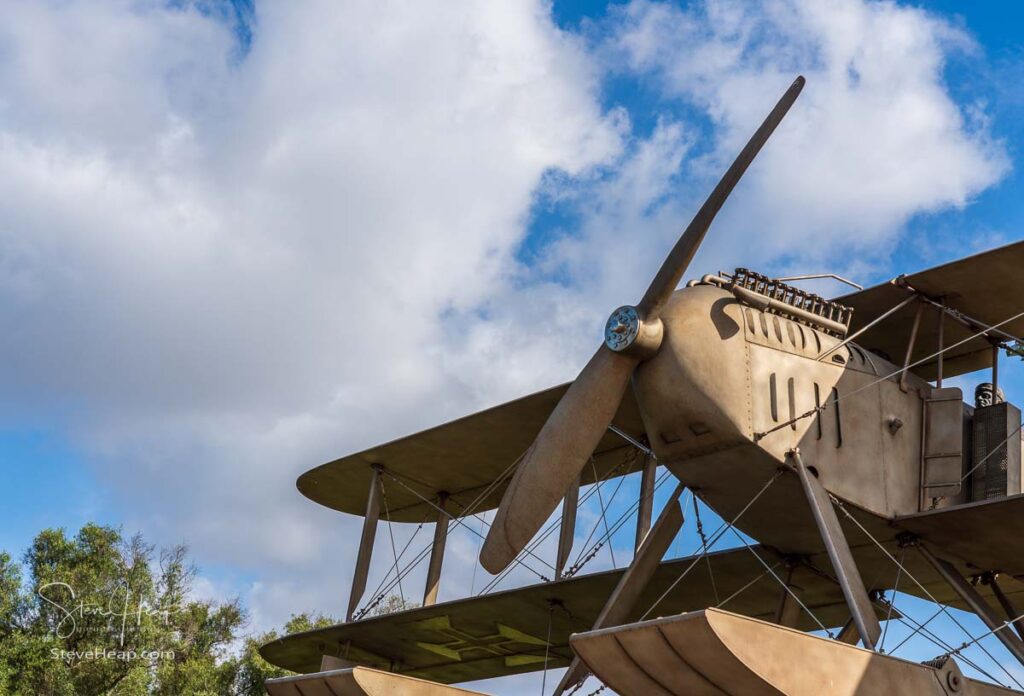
<point x="220" y="271"/>
<point x="874" y="139"/>
<point x="221" y="267"/>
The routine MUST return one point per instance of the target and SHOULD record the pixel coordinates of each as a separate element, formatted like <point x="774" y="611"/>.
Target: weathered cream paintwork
<point x="728" y="372"/>
<point x="359" y="681"/>
<point x="715" y="652"/>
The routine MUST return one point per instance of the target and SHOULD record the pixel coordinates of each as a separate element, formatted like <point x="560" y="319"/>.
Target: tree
<point x="253" y="670"/>
<point x="391" y="604"/>
<point x="93" y="618"/>
<point x="100" y="614"/>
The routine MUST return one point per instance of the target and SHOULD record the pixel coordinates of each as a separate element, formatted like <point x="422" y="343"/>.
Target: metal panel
<point x="997" y="450"/>
<point x="942" y="465"/>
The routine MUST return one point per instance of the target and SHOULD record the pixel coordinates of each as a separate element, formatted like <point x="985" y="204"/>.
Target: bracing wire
<point x="714" y="539"/>
<point x="604" y="511"/>
<point x="931" y="597"/>
<point x="557" y="523"/>
<point x="391" y="533"/>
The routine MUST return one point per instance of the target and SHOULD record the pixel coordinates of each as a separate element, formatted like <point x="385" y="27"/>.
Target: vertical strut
<point x="437" y="552"/>
<point x="995" y="373"/>
<point x="839" y="553"/>
<point x="567" y="532"/>
<point x="848" y="633"/>
<point x="910" y="345"/>
<point x="646" y="508"/>
<point x="976" y="602"/>
<point x="365" y="543"/>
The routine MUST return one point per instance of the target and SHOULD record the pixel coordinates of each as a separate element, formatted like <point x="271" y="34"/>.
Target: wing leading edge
<point x="463" y="458"/>
<point x="506" y="632"/>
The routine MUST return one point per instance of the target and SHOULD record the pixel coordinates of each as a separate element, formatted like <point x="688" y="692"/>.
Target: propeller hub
<point x="629" y="334"/>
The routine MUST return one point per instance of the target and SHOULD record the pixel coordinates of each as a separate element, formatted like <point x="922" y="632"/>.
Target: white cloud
<point x="874" y="139"/>
<point x="222" y="271"/>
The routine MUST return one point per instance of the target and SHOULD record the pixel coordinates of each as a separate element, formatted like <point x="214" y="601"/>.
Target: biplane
<point x="824" y="430"/>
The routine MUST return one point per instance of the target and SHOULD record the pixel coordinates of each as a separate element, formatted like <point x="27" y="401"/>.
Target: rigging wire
<point x="944" y="609"/>
<point x="714" y="539"/>
<point x="586" y="546"/>
<point x="479" y="543"/>
<point x="552" y="526"/>
<point x="391" y="533"/>
<point x="604" y="510"/>
<point x="423" y="553"/>
<point x="931" y="618"/>
<point x="704" y="545"/>
<point x="547" y="649"/>
<point x="616" y="526"/>
<point x="380" y="593"/>
<point x="906" y="619"/>
<point x="750" y="584"/>
<point x="460" y="522"/>
<point x="784" y="585"/>
<point x="991" y="632"/>
<point x="895" y="589"/>
<point x="941" y="351"/>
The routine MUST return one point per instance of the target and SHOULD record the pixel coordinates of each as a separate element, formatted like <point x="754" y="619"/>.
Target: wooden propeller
<point x="633" y="334"/>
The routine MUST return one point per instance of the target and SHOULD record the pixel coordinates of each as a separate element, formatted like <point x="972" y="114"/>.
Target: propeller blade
<point x="557" y="456"/>
<point x="633" y="334"/>
<point x="671" y="271"/>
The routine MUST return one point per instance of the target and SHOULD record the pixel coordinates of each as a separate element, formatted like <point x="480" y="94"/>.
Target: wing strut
<point x="365" y="544"/>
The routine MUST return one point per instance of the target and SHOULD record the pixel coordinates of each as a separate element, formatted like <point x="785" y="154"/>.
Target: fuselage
<point x="722" y="405"/>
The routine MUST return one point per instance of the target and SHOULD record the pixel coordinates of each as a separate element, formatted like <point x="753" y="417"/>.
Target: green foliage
<point x="253" y="670"/>
<point x="99" y="592"/>
<point x="391" y="604"/>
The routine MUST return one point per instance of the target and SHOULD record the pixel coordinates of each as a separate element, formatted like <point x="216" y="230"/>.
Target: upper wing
<point x="462" y="458"/>
<point x="988" y="287"/>
<point x="507" y="632"/>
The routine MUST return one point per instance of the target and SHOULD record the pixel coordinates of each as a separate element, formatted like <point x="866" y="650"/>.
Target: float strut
<point x="849" y="578"/>
<point x="976" y="602"/>
<point x="1012" y="612"/>
<point x="634" y="581"/>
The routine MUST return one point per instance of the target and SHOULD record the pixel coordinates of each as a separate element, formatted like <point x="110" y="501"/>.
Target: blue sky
<point x="211" y="202"/>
